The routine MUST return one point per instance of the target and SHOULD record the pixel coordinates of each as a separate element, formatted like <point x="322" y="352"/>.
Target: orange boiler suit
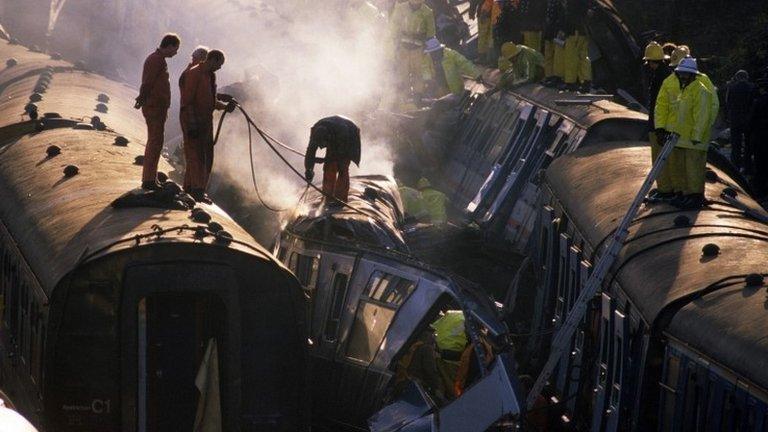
<point x="155" y="99"/>
<point x="198" y="101"/>
<point x="340" y="137"/>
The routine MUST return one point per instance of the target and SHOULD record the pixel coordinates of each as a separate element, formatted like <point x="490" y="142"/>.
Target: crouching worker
<point x="340" y="137"/>
<point x="198" y="101"/>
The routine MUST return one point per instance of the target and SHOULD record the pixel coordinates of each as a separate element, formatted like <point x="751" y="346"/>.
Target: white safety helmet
<point x="688" y="65"/>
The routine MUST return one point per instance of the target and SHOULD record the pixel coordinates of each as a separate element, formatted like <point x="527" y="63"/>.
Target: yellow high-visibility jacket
<point x="407" y="25"/>
<point x="434" y="202"/>
<point x="694" y="117"/>
<point x="455" y="66"/>
<point x="527" y="66"/>
<point x="449" y="331"/>
<point x="665" y="115"/>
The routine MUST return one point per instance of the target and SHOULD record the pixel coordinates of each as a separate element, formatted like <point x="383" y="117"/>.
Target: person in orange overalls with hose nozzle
<point x="198" y="101"/>
<point x="340" y="137"/>
<point x="154" y="100"/>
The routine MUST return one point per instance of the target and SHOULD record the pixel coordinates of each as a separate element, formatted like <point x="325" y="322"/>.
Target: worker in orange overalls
<point x="154" y="100"/>
<point x="340" y="137"/>
<point x="198" y="57"/>
<point x="198" y="101"/>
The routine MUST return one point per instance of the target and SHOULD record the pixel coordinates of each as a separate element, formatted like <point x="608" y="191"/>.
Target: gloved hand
<point x="193" y="130"/>
<point x="231" y="105"/>
<point x="309" y="175"/>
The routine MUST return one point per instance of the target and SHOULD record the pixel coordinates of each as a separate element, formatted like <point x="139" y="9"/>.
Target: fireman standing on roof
<point x="693" y="125"/>
<point x="154" y="100"/>
<point x="411" y="24"/>
<point x="340" y="137"/>
<point x="198" y="101"/>
<point x="665" y="118"/>
<point x="444" y="69"/>
<point x="486" y="12"/>
<point x="656" y="71"/>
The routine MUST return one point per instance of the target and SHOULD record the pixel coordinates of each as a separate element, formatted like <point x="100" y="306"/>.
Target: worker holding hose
<point x="340" y="137"/>
<point x="198" y="101"/>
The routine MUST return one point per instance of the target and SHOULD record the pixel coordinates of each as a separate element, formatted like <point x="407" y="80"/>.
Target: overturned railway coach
<point x="132" y="319"/>
<point x="506" y="139"/>
<point x="371" y="302"/>
<point x="676" y="340"/>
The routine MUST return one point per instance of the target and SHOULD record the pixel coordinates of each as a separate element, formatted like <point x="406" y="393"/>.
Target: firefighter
<point x="420" y="364"/>
<point x="433" y="201"/>
<point x="520" y="64"/>
<point x="695" y="118"/>
<point x="486" y="12"/>
<point x="656" y="71"/>
<point x="665" y="117"/>
<point x="340" y="137"/>
<point x="411" y="24"/>
<point x="451" y="339"/>
<point x="198" y="101"/>
<point x="444" y="69"/>
<point x="413" y="206"/>
<point x="154" y="100"/>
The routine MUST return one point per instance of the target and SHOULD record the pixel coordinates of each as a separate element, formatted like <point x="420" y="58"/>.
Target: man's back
<point x="739" y="100"/>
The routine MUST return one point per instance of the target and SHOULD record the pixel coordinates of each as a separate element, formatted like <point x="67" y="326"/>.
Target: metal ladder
<point x="562" y="339"/>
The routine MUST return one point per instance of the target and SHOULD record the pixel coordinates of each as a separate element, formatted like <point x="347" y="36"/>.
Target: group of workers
<point x="199" y="100"/>
<point x="683" y="105"/>
<point x="442" y="359"/>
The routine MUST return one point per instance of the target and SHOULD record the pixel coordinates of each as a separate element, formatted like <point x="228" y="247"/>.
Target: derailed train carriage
<point x="370" y="302"/>
<point x="132" y="319"/>
<point x="676" y="339"/>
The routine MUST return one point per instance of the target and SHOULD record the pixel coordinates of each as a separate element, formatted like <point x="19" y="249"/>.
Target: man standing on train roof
<point x="198" y="56"/>
<point x="154" y="100"/>
<point x="198" y="101"/>
<point x="695" y="117"/>
<point x="666" y="114"/>
<point x="340" y="137"/>
<point x="410" y="24"/>
<point x="444" y="69"/>
<point x="656" y="71"/>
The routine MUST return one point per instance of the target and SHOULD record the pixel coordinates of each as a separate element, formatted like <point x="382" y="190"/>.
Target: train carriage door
<point x="576" y="370"/>
<point x="548" y="265"/>
<point x="569" y="293"/>
<point x="603" y="381"/>
<point x="177" y="346"/>
<point x="620" y="351"/>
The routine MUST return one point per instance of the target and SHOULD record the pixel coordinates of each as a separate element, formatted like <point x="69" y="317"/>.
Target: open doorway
<point x="179" y="337"/>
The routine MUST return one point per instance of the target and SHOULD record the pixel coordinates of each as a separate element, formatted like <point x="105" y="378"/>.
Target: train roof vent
<point x="200" y="216"/>
<point x="121" y="141"/>
<point x="754" y="280"/>
<point x="35" y="97"/>
<point x="162" y="177"/>
<point x="710" y="250"/>
<point x="55" y="56"/>
<point x="682" y="221"/>
<point x="224" y="237"/>
<point x="41" y="88"/>
<point x="53" y="150"/>
<point x="103" y="98"/>
<point x="71" y="171"/>
<point x="11" y="62"/>
<point x="139" y="160"/>
<point x="102" y="108"/>
<point x="711" y="176"/>
<point x="51" y="115"/>
<point x="97" y="123"/>
<point x="730" y="192"/>
<point x="215" y="227"/>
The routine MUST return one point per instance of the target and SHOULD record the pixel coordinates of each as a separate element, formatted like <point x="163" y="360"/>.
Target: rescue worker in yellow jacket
<point x="696" y="113"/>
<point x="413" y="204"/>
<point x="451" y="338"/>
<point x="411" y="23"/>
<point x="444" y="69"/>
<point x="520" y="65"/>
<point x="433" y="201"/>
<point x="487" y="12"/>
<point x="665" y="117"/>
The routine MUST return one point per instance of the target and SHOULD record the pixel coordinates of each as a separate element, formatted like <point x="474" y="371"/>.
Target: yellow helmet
<point x="654" y="52"/>
<point x="509" y="49"/>
<point x="681" y="52"/>
<point x="423" y="183"/>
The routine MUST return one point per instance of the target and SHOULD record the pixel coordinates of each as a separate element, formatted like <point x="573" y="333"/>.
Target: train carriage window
<point x="383" y="295"/>
<point x="669" y="391"/>
<point x="305" y="268"/>
<point x="340" y="281"/>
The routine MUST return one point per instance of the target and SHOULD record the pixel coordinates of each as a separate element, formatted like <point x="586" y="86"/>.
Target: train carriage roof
<point x="662" y="266"/>
<point x="58" y="221"/>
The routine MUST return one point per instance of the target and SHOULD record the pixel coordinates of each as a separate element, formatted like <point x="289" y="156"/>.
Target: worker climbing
<point x="340" y="137"/>
<point x="520" y="65"/>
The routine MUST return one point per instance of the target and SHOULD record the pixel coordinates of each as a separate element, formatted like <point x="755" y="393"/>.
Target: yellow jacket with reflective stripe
<point x="434" y="202"/>
<point x="694" y="116"/>
<point x="416" y="26"/>
<point x="665" y="115"/>
<point x="525" y="67"/>
<point x="455" y="66"/>
<point x="449" y="331"/>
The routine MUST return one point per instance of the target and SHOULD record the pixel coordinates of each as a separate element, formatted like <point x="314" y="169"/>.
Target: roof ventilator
<point x="11" y="62"/>
<point x="102" y="108"/>
<point x="121" y="141"/>
<point x="162" y="177"/>
<point x="103" y="98"/>
<point x="31" y="110"/>
<point x="83" y="126"/>
<point x="53" y="151"/>
<point x="710" y="250"/>
<point x="98" y="124"/>
<point x="52" y="115"/>
<point x="730" y="192"/>
<point x="35" y="97"/>
<point x="41" y="88"/>
<point x="682" y="221"/>
<point x="711" y="176"/>
<point x="754" y="280"/>
<point x="224" y="237"/>
<point x="215" y="227"/>
<point x="139" y="160"/>
<point x="71" y="171"/>
<point x="200" y="216"/>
